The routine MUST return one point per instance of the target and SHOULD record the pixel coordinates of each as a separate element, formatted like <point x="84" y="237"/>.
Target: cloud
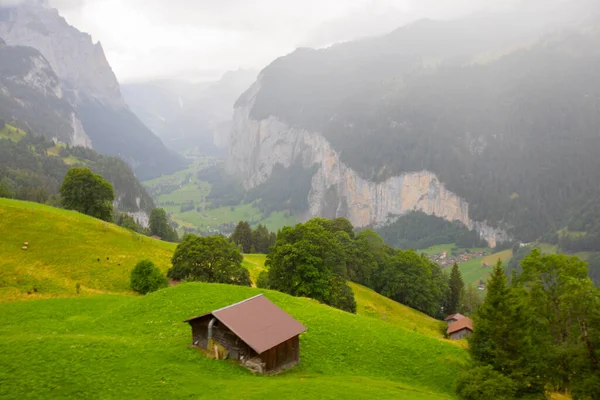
<point x="146" y="39"/>
<point x="10" y="3"/>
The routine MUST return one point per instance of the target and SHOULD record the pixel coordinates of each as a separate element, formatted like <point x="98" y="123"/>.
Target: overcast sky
<point x="200" y="39"/>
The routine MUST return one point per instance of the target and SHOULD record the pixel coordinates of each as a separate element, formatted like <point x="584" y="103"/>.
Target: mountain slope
<point x="138" y="347"/>
<point x="89" y="85"/>
<point x="419" y="120"/>
<point x="33" y="168"/>
<point x="30" y="91"/>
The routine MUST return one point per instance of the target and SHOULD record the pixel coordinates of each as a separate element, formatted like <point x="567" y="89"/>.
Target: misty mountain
<point x="186" y="114"/>
<point x="493" y="126"/>
<point x="88" y="84"/>
<point x="30" y="91"/>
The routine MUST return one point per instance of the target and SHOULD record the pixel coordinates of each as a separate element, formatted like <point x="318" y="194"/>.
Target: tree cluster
<point x="250" y="240"/>
<point x="310" y="260"/>
<point x="160" y="226"/>
<point x="306" y="258"/>
<point x="208" y="259"/>
<point x="539" y="332"/>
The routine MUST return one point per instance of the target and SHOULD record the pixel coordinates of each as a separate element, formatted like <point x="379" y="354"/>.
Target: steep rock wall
<point x="337" y="190"/>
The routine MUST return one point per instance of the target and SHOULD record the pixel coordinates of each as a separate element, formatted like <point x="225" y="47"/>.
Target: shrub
<point x="4" y="192"/>
<point x="342" y="296"/>
<point x="484" y="383"/>
<point x="146" y="278"/>
<point x="262" y="282"/>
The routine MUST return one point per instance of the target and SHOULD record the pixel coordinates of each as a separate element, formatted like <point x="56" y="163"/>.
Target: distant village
<point x="447" y="260"/>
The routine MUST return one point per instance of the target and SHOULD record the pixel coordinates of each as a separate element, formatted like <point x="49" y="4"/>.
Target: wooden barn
<point x="461" y="328"/>
<point x="256" y="332"/>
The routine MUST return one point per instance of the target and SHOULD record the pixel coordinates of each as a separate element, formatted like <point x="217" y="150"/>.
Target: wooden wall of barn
<point x="284" y="355"/>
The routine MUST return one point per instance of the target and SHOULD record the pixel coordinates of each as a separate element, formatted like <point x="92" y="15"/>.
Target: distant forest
<point x="31" y="174"/>
<point x="417" y="230"/>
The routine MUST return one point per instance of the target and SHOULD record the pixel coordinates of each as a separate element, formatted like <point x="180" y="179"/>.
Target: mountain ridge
<point x="89" y="85"/>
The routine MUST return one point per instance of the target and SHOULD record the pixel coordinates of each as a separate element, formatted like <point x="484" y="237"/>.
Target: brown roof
<point x="258" y="322"/>
<point x="454" y="316"/>
<point x="463" y="323"/>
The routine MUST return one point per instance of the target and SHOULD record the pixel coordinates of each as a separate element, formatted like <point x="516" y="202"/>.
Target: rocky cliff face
<point x="89" y="85"/>
<point x="31" y="92"/>
<point x="79" y="63"/>
<point x="336" y="190"/>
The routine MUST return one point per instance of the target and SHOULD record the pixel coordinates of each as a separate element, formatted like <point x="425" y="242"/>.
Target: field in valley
<point x="184" y="187"/>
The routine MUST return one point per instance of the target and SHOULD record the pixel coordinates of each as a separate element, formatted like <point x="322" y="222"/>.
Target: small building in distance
<point x="453" y="318"/>
<point x="256" y="332"/>
<point x="460" y="328"/>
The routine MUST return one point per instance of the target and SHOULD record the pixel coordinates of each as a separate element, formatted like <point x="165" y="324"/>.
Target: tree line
<point x="537" y="332"/>
<point x="258" y="240"/>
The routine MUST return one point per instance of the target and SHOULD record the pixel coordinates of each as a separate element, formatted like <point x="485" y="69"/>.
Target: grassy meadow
<point x="474" y="270"/>
<point x="118" y="346"/>
<point x="66" y="248"/>
<point x="106" y="342"/>
<point x="10" y="132"/>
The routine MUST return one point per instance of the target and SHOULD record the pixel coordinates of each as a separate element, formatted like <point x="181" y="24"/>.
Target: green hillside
<point x="369" y="303"/>
<point x="137" y="347"/>
<point x="475" y="270"/>
<point x="64" y="249"/>
<point x="10" y="132"/>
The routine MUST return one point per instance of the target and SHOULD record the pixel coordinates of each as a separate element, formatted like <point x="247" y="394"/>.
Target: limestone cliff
<point x="336" y="190"/>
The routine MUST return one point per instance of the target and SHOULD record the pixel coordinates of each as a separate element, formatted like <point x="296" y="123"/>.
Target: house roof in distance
<point x="463" y="323"/>
<point x="454" y="316"/>
<point x="258" y="322"/>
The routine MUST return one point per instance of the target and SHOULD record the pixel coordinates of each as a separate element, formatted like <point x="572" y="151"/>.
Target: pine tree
<point x="501" y="336"/>
<point x="456" y="288"/>
<point x="242" y="235"/>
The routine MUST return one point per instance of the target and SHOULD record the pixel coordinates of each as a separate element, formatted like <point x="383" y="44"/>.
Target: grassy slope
<point x="474" y="270"/>
<point x="137" y="347"/>
<point x="64" y="248"/>
<point x="369" y="303"/>
<point x="12" y="133"/>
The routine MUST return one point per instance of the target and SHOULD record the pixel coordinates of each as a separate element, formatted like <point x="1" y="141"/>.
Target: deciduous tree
<point x="208" y="259"/>
<point x="88" y="193"/>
